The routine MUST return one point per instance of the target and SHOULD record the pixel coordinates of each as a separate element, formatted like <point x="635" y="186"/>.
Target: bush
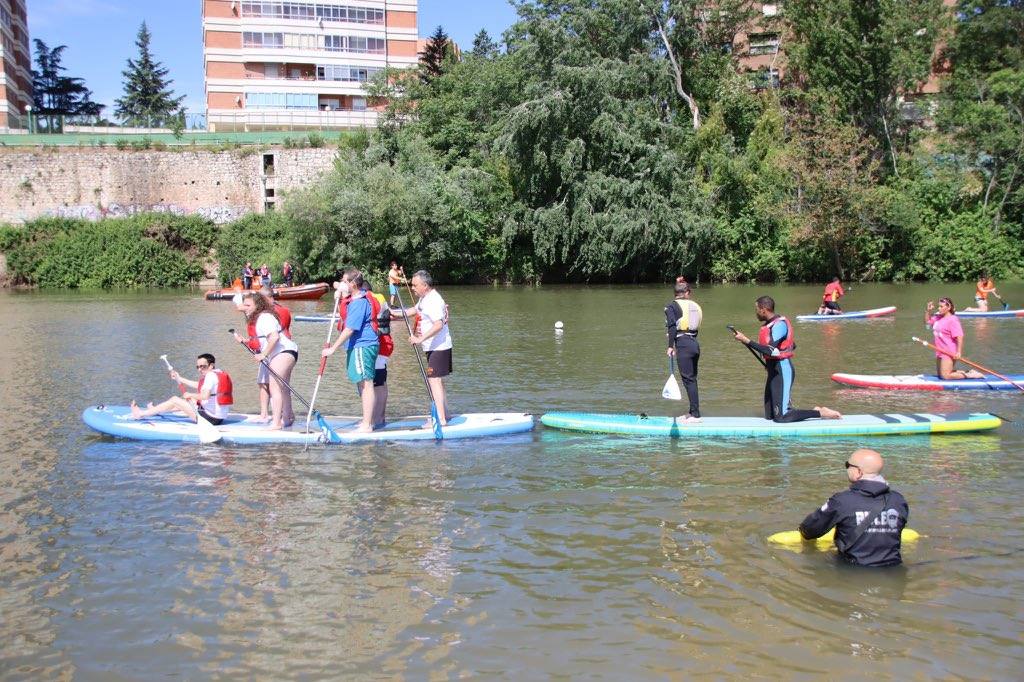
<point x="257" y="239"/>
<point x="10" y="237"/>
<point x="121" y="143"/>
<point x="961" y="246"/>
<point x="316" y="140"/>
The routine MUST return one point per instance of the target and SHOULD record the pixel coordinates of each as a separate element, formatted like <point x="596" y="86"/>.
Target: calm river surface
<point x="533" y="556"/>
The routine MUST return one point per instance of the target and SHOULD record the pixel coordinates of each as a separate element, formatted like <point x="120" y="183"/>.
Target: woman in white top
<point x="280" y="352"/>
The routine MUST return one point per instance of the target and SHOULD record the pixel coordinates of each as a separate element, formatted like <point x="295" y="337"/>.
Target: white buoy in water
<point x="559" y="325"/>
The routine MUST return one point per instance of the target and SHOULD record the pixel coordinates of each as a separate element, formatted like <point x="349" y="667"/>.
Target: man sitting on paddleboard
<point x="985" y="286"/>
<point x="830" y="299"/>
<point x="682" y="318"/>
<point x="949" y="340"/>
<point x="213" y="395"/>
<point x="775" y="346"/>
<point x="868" y="518"/>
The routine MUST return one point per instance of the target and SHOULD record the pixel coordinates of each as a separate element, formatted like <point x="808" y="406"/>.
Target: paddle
<point x="671" y="390"/>
<point x="325" y="428"/>
<point x="964" y="360"/>
<point x="323" y="358"/>
<point x="438" y="433"/>
<point x="756" y="355"/>
<point x="208" y="433"/>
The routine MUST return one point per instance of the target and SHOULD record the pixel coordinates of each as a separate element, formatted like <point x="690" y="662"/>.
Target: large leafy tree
<point x="56" y="96"/>
<point x="148" y="97"/>
<point x="863" y="57"/>
<point x="984" y="99"/>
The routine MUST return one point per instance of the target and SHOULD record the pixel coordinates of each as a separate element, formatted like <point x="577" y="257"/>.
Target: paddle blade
<point x="671" y="390"/>
<point x="208" y="433"/>
<point x="330" y="435"/>
<point x="438" y="434"/>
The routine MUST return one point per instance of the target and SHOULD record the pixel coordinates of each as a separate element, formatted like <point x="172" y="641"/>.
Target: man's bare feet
<point x="689" y="419"/>
<point x="273" y="427"/>
<point x="363" y="428"/>
<point x="828" y="413"/>
<point x="136" y="412"/>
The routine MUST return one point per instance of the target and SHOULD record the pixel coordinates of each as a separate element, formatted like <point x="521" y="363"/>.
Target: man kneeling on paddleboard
<point x="212" y="397"/>
<point x="774" y="348"/>
<point x="868" y="518"/>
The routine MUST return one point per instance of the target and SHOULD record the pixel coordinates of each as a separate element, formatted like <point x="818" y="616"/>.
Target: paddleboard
<point x="311" y="318"/>
<point x="713" y="427"/>
<point x="852" y="315"/>
<point x="791" y="539"/>
<point x="242" y="429"/>
<point x="990" y="313"/>
<point x="927" y="382"/>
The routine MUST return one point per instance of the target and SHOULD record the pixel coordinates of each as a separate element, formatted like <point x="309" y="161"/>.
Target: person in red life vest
<point x="212" y="395"/>
<point x="776" y="347"/>
<point x="362" y="343"/>
<point x="381" y="315"/>
<point x="830" y="299"/>
<point x="278" y="351"/>
<point x="284" y="316"/>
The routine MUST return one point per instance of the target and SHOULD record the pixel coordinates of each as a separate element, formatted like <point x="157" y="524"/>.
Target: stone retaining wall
<point x="96" y="183"/>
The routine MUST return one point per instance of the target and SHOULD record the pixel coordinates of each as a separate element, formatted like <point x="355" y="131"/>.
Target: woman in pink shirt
<point x="949" y="337"/>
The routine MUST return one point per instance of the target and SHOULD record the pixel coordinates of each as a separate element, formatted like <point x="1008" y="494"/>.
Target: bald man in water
<point x="868" y="518"/>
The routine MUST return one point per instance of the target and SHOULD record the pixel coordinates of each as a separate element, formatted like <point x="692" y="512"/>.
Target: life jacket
<point x="786" y="347"/>
<point x="980" y="292"/>
<point x="382" y="327"/>
<point x="688" y="323"/>
<point x="224" y="388"/>
<point x="833" y="291"/>
<point x="284" y="316"/>
<point x="253" y="343"/>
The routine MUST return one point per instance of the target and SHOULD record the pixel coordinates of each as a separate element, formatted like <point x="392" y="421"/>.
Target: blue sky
<point x="100" y="35"/>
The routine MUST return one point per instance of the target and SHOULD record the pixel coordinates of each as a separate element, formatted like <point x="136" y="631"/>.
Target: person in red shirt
<point x="830" y="299"/>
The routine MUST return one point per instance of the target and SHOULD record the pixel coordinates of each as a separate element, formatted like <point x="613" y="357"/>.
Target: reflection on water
<point x="526" y="556"/>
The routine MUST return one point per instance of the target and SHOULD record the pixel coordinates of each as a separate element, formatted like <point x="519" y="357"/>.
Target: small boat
<point x="301" y="292"/>
<point x="852" y="315"/>
<point x="990" y="313"/>
<point x="738" y="427"/>
<point x="243" y="429"/>
<point x="927" y="382"/>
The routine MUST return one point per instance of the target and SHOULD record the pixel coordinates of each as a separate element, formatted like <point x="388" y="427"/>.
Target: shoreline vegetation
<point x="602" y="144"/>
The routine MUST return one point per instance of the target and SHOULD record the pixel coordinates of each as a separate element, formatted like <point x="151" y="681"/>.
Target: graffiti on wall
<point x="216" y="214"/>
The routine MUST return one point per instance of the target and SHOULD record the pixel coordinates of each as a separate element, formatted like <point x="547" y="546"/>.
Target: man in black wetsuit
<point x="775" y="347"/>
<point x="868" y="518"/>
<point x="682" y="319"/>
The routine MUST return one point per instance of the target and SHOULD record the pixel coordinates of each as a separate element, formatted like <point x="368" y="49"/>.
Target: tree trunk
<point x="690" y="101"/>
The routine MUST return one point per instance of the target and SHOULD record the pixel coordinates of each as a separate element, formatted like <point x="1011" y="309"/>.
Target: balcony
<point x="277" y="119"/>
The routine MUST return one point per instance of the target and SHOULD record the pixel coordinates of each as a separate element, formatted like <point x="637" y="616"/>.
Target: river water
<point x="531" y="556"/>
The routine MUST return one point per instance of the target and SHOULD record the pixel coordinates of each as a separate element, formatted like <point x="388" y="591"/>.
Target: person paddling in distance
<point x="279" y="352"/>
<point x="433" y="336"/>
<point x="247" y="274"/>
<point x="869" y="517"/>
<point x="362" y="344"/>
<point x="395" y="280"/>
<point x="682" y="319"/>
<point x="949" y="339"/>
<point x="212" y="395"/>
<point x="984" y="286"/>
<point x="775" y="347"/>
<point x="830" y="299"/>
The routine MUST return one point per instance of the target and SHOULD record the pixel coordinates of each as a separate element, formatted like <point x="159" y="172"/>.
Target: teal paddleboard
<point x="715" y="427"/>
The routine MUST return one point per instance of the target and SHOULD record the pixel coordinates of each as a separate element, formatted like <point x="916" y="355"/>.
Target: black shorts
<point x="439" y="363"/>
<point x="380" y="376"/>
<point x="831" y="305"/>
<point x="212" y="420"/>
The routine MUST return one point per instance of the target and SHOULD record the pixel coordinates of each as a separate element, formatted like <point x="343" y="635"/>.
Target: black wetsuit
<point x="779" y="384"/>
<point x="879" y="543"/>
<point x="687" y="354"/>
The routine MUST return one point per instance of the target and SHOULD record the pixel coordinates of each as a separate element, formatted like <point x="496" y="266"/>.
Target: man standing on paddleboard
<point x="682" y="319"/>
<point x="431" y="333"/>
<point x="775" y="347"/>
<point x="869" y="517"/>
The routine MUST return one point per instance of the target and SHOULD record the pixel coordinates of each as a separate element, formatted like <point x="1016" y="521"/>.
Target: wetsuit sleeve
<point x="820" y="521"/>
<point x="672" y="323"/>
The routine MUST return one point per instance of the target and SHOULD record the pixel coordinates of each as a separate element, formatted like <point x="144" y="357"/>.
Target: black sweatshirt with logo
<point x="879" y="543"/>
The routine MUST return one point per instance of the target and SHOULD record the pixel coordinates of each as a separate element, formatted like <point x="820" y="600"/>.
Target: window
<point x="5" y="17"/>
<point x="350" y="74"/>
<point x="272" y="70"/>
<point x="279" y="100"/>
<point x="310" y="11"/>
<point x="764" y="43"/>
<point x="311" y="41"/>
<point x="764" y="79"/>
<point x="358" y="104"/>
<point x="262" y="40"/>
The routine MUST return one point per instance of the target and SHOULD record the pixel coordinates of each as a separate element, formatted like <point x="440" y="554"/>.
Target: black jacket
<point x="879" y="544"/>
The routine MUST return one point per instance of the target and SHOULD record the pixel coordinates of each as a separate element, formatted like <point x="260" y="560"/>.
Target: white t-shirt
<point x="212" y="382"/>
<point x="432" y="308"/>
<point x="266" y="324"/>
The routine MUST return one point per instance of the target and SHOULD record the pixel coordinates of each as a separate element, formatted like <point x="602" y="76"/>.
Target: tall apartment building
<point x="15" y="65"/>
<point x="274" y="65"/>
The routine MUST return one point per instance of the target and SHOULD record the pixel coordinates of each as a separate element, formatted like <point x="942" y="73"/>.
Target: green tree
<point x="56" y="96"/>
<point x="864" y="56"/>
<point x="483" y="45"/>
<point x="148" y="99"/>
<point x="437" y="51"/>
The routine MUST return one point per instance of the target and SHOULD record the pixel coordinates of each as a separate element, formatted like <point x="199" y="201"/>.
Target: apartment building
<point x="15" y="65"/>
<point x="295" y="65"/>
